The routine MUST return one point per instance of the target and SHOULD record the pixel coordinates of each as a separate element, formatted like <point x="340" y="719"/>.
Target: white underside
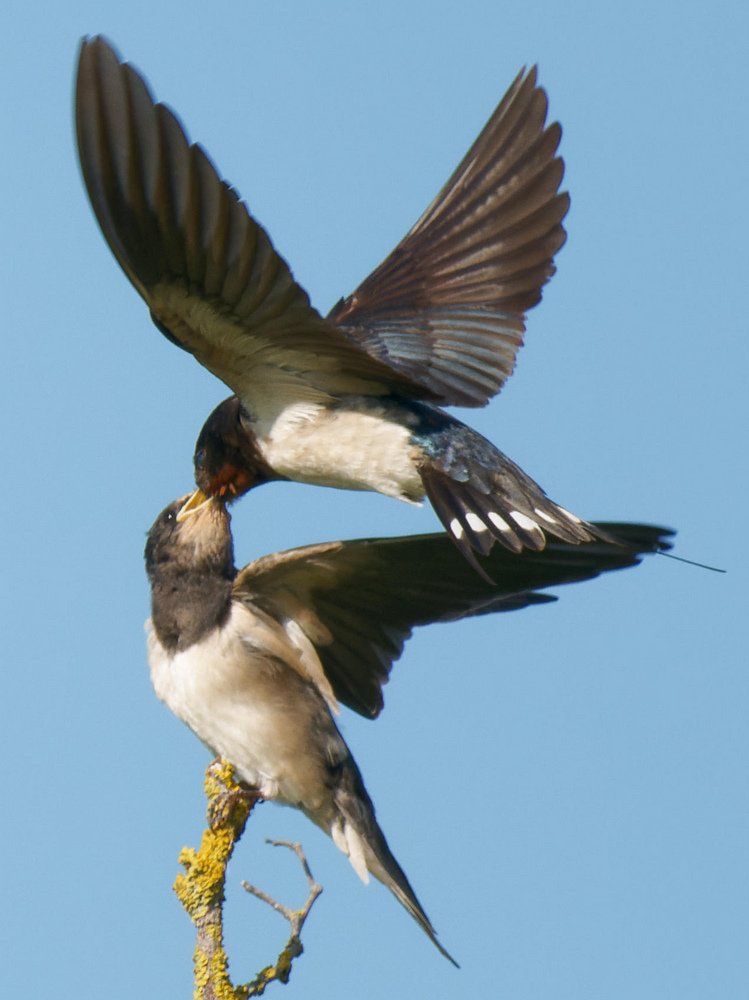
<point x="238" y="696"/>
<point x="237" y="692"/>
<point x="245" y="691"/>
<point x="354" y="448"/>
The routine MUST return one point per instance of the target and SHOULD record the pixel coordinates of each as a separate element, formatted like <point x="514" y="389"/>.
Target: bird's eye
<point x="200" y="458"/>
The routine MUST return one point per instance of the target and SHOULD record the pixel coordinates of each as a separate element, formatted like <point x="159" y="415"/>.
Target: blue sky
<point x="566" y="787"/>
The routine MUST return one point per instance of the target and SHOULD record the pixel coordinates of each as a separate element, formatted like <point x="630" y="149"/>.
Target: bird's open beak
<point x="195" y="502"/>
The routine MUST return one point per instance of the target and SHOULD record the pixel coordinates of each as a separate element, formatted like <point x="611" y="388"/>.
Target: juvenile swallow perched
<point x="351" y="400"/>
<point x="252" y="689"/>
<point x="256" y="662"/>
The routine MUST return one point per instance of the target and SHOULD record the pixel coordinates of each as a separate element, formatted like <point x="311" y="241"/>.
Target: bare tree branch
<point x="200" y="889"/>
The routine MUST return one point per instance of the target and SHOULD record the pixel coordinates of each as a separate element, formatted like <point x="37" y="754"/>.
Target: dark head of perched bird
<point x="182" y="554"/>
<point x="256" y="662"/>
<point x="351" y="400"/>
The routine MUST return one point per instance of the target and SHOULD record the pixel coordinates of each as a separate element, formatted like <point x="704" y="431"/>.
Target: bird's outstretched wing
<point x="206" y="269"/>
<point x="358" y="601"/>
<point x="447" y="306"/>
<point x="440" y="319"/>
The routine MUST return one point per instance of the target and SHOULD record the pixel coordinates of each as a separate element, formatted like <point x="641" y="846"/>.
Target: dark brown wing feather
<point x="447" y="306"/>
<point x="359" y="601"/>
<point x="207" y="270"/>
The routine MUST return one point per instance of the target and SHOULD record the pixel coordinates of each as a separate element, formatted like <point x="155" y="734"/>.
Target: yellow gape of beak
<point x="195" y="502"/>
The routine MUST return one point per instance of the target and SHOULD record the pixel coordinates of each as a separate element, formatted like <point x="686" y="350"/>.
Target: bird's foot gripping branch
<point x="200" y="889"/>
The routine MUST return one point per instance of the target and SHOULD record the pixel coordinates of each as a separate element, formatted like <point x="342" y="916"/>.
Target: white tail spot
<point x="457" y="528"/>
<point x="523" y="521"/>
<point x="544" y="516"/>
<point x="570" y="515"/>
<point x="346" y="839"/>
<point x="475" y="522"/>
<point x="355" y="852"/>
<point x="498" y="522"/>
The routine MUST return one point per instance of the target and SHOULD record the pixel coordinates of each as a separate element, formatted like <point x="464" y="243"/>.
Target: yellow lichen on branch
<point x="200" y="889"/>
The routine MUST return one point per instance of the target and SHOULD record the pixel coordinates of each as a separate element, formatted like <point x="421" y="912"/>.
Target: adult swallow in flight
<point x="349" y="400"/>
<point x="256" y="662"/>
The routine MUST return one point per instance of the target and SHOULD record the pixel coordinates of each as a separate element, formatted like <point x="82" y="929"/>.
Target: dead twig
<point x="281" y="970"/>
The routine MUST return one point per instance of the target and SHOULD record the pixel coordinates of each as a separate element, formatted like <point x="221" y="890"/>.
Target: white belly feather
<point x="248" y="707"/>
<point x="355" y="448"/>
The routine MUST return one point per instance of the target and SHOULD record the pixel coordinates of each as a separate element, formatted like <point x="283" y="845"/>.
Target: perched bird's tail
<point x="355" y="831"/>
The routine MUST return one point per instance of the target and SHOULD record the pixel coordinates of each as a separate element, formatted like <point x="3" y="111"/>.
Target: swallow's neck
<point x="189" y="603"/>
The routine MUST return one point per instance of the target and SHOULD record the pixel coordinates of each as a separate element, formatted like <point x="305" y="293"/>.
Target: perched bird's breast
<point x="356" y="443"/>
<point x="237" y="692"/>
